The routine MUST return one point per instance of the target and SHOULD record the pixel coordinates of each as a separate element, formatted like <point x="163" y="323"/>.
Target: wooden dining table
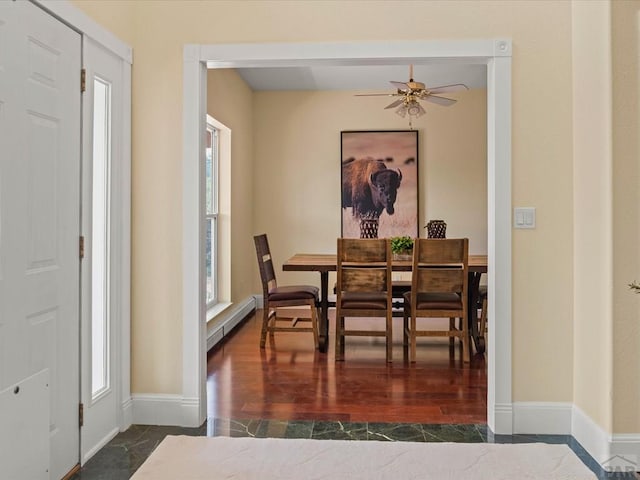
<point x="328" y="262"/>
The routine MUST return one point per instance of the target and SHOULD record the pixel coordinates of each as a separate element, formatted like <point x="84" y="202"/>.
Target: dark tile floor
<point x="121" y="457"/>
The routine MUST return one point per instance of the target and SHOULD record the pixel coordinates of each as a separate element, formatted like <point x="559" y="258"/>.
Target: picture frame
<point x="379" y="183"/>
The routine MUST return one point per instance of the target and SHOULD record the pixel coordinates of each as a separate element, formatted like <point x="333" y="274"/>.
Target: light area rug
<point x="195" y="458"/>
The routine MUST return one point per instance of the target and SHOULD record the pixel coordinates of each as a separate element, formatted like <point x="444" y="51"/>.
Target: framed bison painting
<point x="379" y="183"/>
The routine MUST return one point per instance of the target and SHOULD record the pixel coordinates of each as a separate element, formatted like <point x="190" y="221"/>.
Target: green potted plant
<point x="402" y="247"/>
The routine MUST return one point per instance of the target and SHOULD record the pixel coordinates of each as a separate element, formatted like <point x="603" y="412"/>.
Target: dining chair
<point x="275" y="296"/>
<point x="482" y="304"/>
<point x="439" y="288"/>
<point x="363" y="288"/>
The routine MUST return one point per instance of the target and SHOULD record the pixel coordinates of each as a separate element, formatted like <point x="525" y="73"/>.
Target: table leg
<point x="324" y="312"/>
<point x="472" y="312"/>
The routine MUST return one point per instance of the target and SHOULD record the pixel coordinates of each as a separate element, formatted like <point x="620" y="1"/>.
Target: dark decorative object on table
<point x="436" y="229"/>
<point x="369" y="224"/>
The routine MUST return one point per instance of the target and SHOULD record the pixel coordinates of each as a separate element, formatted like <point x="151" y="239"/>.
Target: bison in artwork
<point x="369" y="187"/>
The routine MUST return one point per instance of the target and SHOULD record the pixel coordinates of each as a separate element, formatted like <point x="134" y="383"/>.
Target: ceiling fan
<point x="410" y="92"/>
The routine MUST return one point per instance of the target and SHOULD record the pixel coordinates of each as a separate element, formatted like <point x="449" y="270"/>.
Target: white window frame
<point x="101" y="245"/>
<point x="213" y="126"/>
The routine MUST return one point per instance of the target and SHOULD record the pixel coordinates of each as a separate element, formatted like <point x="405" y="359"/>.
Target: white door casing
<point x="495" y="53"/>
<point x="39" y="221"/>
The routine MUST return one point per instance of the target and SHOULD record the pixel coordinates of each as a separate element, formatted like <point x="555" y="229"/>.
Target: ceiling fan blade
<point x="456" y="87"/>
<point x="440" y="100"/>
<point x="375" y="95"/>
<point x="400" y="85"/>
<point x="395" y="104"/>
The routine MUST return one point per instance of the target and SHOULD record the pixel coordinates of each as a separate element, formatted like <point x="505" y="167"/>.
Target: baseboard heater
<point x="229" y="320"/>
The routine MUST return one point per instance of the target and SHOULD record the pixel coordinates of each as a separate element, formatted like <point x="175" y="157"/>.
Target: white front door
<point x="39" y="226"/>
<point x="102" y="267"/>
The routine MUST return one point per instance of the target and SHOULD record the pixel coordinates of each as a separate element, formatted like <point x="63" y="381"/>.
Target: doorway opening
<point x="495" y="54"/>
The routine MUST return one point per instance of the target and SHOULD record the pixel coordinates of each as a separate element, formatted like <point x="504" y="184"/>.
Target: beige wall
<point x="625" y="17"/>
<point x="230" y="101"/>
<point x="542" y="156"/>
<point x="297" y="167"/>
<point x="453" y="168"/>
<point x="607" y="212"/>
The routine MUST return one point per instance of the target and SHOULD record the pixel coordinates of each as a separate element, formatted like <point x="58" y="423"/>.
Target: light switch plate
<point x="524" y="217"/>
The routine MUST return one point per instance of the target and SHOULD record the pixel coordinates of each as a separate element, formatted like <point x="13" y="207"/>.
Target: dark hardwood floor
<point x="289" y="390"/>
<point x="289" y="380"/>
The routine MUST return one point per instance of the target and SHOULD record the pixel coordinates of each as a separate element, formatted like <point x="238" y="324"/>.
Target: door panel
<point x="39" y="217"/>
<point x="25" y="453"/>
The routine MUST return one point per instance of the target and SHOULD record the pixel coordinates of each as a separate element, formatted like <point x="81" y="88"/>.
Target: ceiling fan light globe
<point x="402" y="111"/>
<point x="414" y="110"/>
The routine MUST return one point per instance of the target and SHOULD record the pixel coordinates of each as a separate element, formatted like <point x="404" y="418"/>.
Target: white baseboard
<point x="617" y="452"/>
<point x="157" y="409"/>
<point x="165" y="409"/>
<point x="127" y="414"/>
<point x="625" y="453"/>
<point x="551" y="418"/>
<point x="228" y="320"/>
<point x="590" y="435"/>
<point x="190" y="412"/>
<point x="502" y="419"/>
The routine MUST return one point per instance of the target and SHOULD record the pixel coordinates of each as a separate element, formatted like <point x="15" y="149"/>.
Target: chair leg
<point x="265" y="325"/>
<point x="314" y="323"/>
<point x="412" y="340"/>
<point x="389" y="337"/>
<point x="339" y="337"/>
<point x="405" y="330"/>
<point x="466" y="351"/>
<point x="452" y="327"/>
<point x="483" y="318"/>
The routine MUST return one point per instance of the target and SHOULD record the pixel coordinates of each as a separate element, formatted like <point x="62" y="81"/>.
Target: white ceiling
<point x="361" y="77"/>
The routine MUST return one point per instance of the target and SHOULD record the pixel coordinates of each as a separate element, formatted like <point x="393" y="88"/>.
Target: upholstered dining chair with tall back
<point x="275" y="296"/>
<point x="363" y="288"/>
<point x="439" y="287"/>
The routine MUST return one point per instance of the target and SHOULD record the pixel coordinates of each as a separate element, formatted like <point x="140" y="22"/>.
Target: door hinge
<point x="81" y="247"/>
<point x="81" y="414"/>
<point x="83" y="80"/>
